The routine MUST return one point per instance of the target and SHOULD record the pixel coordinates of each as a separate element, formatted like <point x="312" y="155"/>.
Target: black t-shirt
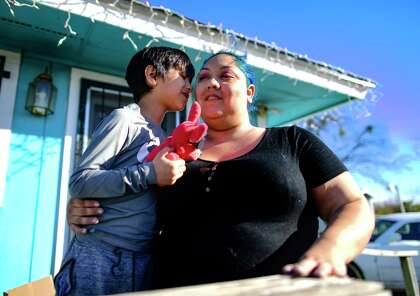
<point x="244" y="217"/>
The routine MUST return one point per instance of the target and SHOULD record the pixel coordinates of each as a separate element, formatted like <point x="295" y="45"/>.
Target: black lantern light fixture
<point x="41" y="95"/>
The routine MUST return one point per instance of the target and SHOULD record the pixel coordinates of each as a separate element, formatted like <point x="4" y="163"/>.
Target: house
<point x="82" y="47"/>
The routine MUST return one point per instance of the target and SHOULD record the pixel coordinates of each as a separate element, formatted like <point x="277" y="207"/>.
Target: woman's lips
<point x="212" y="98"/>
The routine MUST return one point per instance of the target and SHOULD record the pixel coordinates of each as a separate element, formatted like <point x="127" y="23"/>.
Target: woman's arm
<point x="350" y="223"/>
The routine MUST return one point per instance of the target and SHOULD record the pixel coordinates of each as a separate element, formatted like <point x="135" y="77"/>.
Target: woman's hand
<point x="82" y="212"/>
<point x="323" y="259"/>
<point x="350" y="223"/>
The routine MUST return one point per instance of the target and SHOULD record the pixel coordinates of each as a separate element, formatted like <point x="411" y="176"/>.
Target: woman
<point x="249" y="206"/>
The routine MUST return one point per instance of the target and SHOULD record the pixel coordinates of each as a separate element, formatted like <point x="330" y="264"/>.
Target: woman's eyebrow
<point x="222" y="67"/>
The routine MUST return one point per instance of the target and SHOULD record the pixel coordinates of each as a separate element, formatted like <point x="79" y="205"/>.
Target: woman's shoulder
<point x="291" y="132"/>
<point x="293" y="136"/>
<point x="295" y="130"/>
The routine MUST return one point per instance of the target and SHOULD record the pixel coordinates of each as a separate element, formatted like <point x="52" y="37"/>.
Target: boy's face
<point x="173" y="90"/>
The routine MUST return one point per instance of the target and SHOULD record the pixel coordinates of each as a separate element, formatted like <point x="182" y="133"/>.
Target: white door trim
<point x="63" y="233"/>
<point x="7" y="105"/>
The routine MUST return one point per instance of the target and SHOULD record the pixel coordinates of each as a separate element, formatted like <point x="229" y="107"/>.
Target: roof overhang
<point x="286" y="81"/>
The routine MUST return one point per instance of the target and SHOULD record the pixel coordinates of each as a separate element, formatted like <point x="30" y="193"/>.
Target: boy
<point x="113" y="257"/>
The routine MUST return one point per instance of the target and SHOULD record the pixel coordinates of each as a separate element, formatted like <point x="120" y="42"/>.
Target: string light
<point x="167" y="13"/>
<point x="126" y="36"/>
<point x="67" y="24"/>
<point x="68" y="27"/>
<point x="256" y="42"/>
<point x="10" y="8"/>
<point x="198" y="57"/>
<point x="114" y="3"/>
<point x="245" y="47"/>
<point x="197" y="27"/>
<point x="228" y="38"/>
<point x="267" y="49"/>
<point x="220" y="28"/>
<point x="209" y="30"/>
<point x="131" y="7"/>
<point x="182" y="21"/>
<point x="9" y="3"/>
<point x="151" y="41"/>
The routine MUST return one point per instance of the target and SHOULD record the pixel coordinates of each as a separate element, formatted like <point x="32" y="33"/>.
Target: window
<point x="380" y="227"/>
<point x="98" y="99"/>
<point x="410" y="231"/>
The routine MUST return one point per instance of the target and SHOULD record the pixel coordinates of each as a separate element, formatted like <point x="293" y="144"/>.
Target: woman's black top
<point x="244" y="217"/>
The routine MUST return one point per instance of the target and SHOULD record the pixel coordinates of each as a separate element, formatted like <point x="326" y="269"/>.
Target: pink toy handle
<point x="199" y="132"/>
<point x="195" y="112"/>
<point x="156" y="150"/>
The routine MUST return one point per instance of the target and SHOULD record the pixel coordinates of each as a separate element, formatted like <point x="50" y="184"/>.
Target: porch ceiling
<point x="99" y="46"/>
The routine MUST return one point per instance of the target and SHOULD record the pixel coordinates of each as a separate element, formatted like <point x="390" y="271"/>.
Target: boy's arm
<point x="93" y="179"/>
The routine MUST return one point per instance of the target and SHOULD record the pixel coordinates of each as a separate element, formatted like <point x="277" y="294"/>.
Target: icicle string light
<point x="216" y="36"/>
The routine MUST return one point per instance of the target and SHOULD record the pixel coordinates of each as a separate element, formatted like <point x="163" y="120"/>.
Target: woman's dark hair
<point x="162" y="59"/>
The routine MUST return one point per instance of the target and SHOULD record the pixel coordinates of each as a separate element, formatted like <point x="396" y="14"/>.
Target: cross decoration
<point x="3" y="72"/>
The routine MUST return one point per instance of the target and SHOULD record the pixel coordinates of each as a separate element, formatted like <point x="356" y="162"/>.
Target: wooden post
<point x="409" y="274"/>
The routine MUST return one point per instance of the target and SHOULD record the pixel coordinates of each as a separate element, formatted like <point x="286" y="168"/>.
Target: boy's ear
<point x="150" y="76"/>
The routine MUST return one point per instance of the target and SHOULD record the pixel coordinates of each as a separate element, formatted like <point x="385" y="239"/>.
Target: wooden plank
<point x="277" y="285"/>
<point x="390" y="253"/>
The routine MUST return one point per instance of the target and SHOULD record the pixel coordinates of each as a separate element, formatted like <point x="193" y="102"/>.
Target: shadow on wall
<point x="29" y="151"/>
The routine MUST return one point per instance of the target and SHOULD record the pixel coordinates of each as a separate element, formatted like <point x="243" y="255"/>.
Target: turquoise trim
<point x="28" y="217"/>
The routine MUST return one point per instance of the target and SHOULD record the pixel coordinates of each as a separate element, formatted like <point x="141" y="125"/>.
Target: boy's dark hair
<point x="162" y="59"/>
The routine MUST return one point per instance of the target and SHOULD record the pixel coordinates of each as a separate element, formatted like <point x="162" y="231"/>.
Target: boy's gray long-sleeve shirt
<point x="111" y="171"/>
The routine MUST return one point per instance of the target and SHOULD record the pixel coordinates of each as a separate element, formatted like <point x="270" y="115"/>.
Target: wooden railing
<point x="277" y="285"/>
<point x="407" y="267"/>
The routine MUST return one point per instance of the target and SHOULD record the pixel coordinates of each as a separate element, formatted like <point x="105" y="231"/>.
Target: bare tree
<point x="366" y="149"/>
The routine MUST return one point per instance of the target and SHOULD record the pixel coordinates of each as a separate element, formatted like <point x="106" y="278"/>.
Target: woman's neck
<point x="221" y="145"/>
<point x="215" y="136"/>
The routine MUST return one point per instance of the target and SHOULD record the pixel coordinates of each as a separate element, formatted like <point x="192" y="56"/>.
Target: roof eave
<point x="159" y="22"/>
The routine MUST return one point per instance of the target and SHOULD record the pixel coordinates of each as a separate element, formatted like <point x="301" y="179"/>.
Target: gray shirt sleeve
<point x="95" y="177"/>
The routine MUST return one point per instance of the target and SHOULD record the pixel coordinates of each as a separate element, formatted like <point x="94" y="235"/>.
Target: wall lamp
<point x="41" y="95"/>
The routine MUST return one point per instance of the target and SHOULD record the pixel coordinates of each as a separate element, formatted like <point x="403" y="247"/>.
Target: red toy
<point x="185" y="138"/>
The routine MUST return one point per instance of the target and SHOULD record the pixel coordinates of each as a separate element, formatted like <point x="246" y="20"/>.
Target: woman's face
<point x="222" y="92"/>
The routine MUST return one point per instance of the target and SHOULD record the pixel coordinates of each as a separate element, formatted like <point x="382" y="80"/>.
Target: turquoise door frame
<point x="28" y="215"/>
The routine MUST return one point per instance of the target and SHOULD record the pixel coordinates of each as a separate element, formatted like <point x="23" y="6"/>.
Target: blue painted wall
<point x="28" y="216"/>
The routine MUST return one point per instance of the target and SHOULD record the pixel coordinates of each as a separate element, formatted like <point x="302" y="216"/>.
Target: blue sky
<point x="375" y="39"/>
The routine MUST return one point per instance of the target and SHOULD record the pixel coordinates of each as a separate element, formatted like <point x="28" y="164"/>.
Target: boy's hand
<point x="82" y="212"/>
<point x="168" y="171"/>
